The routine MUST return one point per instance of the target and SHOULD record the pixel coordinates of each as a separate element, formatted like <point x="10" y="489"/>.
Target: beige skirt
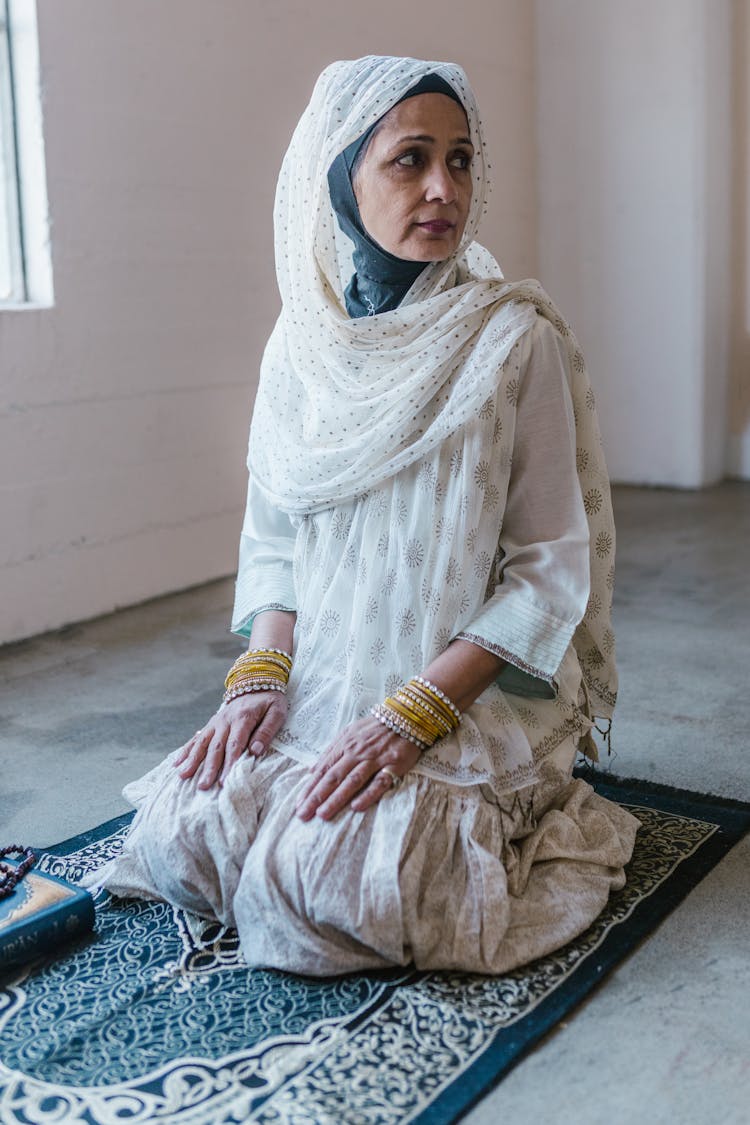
<point x="438" y="875"/>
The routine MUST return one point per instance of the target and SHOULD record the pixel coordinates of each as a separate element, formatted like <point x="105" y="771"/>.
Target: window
<point x="25" y="264"/>
<point x="12" y="280"/>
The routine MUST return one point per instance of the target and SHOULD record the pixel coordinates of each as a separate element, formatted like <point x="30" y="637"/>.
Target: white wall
<point x="634" y="187"/>
<point x="124" y="408"/>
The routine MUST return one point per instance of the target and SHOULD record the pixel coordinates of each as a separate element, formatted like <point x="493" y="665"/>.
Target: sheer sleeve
<point x="543" y="582"/>
<point x="264" y="577"/>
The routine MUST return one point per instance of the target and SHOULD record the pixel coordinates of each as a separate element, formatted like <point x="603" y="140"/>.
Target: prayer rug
<point x="155" y="1018"/>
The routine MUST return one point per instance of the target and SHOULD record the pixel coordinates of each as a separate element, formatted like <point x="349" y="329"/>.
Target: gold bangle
<point x="412" y="716"/>
<point x="441" y="721"/>
<point x="439" y="697"/>
<point x="261" y="669"/>
<point x="271" y="662"/>
<point x="394" y="723"/>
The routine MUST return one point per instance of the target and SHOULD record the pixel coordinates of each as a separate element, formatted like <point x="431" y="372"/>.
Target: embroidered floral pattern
<point x="330" y="622"/>
<point x="426" y="477"/>
<point x="406" y="622"/>
<point x="482" y="564"/>
<point x="453" y="573"/>
<point x="482" y="474"/>
<point x="498" y="336"/>
<point x="392" y="683"/>
<point x="378" y="503"/>
<point x="594" y="607"/>
<point x="444" y="530"/>
<point x="413" y="553"/>
<point x="603" y="544"/>
<point x="592" y="501"/>
<point x="443" y="638"/>
<point x="491" y="498"/>
<point x="527" y="715"/>
<point x="341" y="525"/>
<point x="501" y="712"/>
<point x="389" y="583"/>
<point x="430" y="597"/>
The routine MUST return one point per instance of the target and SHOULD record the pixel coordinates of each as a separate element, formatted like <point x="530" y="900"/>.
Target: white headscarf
<point x="344" y="404"/>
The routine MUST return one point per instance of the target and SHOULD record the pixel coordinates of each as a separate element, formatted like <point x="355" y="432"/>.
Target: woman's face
<point x="413" y="185"/>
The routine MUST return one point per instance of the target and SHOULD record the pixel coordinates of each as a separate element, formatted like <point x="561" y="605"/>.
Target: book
<point x="40" y="916"/>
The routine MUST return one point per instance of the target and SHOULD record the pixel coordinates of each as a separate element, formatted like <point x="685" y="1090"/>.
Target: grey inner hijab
<point x="381" y="280"/>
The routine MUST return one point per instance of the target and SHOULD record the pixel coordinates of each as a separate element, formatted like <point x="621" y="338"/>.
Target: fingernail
<point x="257" y="747"/>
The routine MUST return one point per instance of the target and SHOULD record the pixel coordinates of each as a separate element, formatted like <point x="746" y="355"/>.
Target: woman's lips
<point x="436" y="226"/>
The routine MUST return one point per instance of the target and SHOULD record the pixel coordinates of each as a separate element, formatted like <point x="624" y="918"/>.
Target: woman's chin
<point x="435" y="250"/>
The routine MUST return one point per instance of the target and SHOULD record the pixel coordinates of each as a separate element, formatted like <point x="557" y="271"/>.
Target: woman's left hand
<point x="350" y="771"/>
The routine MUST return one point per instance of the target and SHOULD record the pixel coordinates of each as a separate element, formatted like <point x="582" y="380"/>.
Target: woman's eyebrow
<point x="426" y="139"/>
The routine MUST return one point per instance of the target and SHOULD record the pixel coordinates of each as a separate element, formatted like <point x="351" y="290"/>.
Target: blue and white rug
<point x="156" y="1018"/>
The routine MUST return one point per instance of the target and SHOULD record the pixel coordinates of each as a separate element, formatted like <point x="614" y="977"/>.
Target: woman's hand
<point x="248" y="722"/>
<point x="349" y="771"/>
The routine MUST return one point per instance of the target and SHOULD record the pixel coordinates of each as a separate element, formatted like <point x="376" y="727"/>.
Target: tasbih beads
<point x="258" y="669"/>
<point x="11" y="876"/>
<point x="420" y="712"/>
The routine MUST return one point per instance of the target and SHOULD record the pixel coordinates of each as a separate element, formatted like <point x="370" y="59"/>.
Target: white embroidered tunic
<point x="485" y="538"/>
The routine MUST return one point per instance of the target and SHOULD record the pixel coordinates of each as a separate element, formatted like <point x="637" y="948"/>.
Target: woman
<point x="425" y="579"/>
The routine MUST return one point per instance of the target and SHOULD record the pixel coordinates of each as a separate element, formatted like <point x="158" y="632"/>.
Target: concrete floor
<point x="666" y="1040"/>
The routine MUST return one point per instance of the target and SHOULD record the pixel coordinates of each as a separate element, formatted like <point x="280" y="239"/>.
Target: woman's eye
<point x="413" y="159"/>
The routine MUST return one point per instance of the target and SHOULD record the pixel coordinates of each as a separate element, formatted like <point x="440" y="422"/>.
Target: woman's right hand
<point x="247" y="723"/>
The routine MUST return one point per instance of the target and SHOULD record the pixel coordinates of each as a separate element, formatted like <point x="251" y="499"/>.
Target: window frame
<point x="13" y="281"/>
<point x="25" y="208"/>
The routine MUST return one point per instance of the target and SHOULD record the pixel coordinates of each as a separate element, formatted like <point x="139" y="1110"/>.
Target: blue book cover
<point x="41" y="915"/>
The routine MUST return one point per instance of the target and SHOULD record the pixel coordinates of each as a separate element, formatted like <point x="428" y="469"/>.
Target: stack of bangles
<point x="258" y="669"/>
<point x="419" y="712"/>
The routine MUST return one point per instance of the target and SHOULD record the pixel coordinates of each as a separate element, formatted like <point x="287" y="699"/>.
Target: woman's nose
<point x="440" y="184"/>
